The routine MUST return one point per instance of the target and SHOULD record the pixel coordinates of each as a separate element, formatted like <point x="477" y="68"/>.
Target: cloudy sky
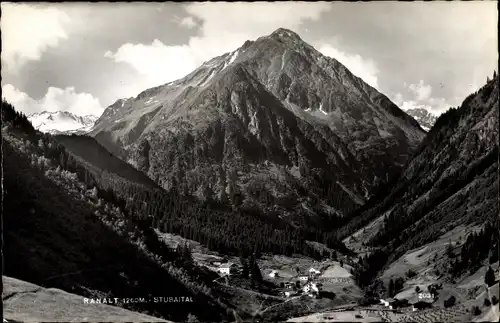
<point x="83" y="57"/>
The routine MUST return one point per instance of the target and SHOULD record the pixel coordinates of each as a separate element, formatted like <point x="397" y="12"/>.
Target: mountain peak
<point x="285" y="33"/>
<point x="61" y="121"/>
<point x="425" y="118"/>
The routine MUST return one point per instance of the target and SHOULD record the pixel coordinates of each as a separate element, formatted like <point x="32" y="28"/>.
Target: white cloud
<point x="422" y="91"/>
<point x="28" y="31"/>
<point x="157" y="62"/>
<point x="224" y="27"/>
<point x="55" y="99"/>
<point x="398" y="99"/>
<point x="419" y="96"/>
<point x="363" y="68"/>
<point x="188" y="22"/>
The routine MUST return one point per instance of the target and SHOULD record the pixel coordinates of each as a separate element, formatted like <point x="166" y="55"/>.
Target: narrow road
<point x="248" y="290"/>
<point x="494" y="307"/>
<point x="458" y="296"/>
<point x="287" y="300"/>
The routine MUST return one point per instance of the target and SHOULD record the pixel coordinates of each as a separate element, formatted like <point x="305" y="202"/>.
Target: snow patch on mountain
<point x="61" y="121"/>
<point x="212" y="73"/>
<point x="231" y="60"/>
<point x="321" y="109"/>
<point x="283" y="60"/>
<point x="150" y="101"/>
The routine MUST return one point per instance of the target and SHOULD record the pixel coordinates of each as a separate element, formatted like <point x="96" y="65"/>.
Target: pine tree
<point x="391" y="290"/>
<point x="398" y="284"/>
<point x="187" y="254"/>
<point x="256" y="275"/>
<point x="245" y="270"/>
<point x="257" y="272"/>
<point x="449" y="249"/>
<point x="489" y="277"/>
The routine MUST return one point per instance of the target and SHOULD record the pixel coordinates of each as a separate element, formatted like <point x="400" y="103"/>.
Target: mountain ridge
<point x="275" y="103"/>
<point x="425" y="118"/>
<point x="62" y="122"/>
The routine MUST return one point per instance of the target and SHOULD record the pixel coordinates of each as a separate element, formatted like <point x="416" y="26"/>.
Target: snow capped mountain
<point x="62" y="122"/>
<point x="423" y="117"/>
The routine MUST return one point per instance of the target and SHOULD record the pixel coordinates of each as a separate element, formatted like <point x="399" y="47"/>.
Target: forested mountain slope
<point x="61" y="232"/>
<point x="91" y="152"/>
<point x="451" y="181"/>
<point x="215" y="225"/>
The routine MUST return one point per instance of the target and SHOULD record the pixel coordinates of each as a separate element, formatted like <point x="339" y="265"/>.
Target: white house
<point x="384" y="302"/>
<point x="287" y="293"/>
<point x="311" y="289"/>
<point x="314" y="272"/>
<point x="225" y="269"/>
<point x="304" y="278"/>
<point x="273" y="274"/>
<point x="387" y="303"/>
<point x="228" y="268"/>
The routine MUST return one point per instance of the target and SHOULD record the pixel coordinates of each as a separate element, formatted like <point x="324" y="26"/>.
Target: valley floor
<point x="342" y="307"/>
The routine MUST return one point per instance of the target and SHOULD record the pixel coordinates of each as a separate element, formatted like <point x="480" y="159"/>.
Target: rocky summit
<point x="273" y="125"/>
<point x="425" y="118"/>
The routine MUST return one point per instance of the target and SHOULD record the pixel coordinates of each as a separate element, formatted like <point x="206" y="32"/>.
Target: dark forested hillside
<point x="452" y="180"/>
<point x="220" y="228"/>
<point x="55" y="235"/>
<point x="92" y="152"/>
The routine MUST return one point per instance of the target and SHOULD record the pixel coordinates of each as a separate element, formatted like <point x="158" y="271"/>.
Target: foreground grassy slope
<point x="26" y="302"/>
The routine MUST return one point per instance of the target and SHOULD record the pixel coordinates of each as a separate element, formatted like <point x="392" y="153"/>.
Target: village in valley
<point x="302" y="289"/>
<point x="328" y="287"/>
<point x="310" y="283"/>
<point x="291" y="278"/>
<point x="303" y="284"/>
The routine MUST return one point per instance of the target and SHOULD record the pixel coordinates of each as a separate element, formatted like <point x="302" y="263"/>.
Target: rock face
<point x="61" y="122"/>
<point x="272" y="125"/>
<point x="26" y="302"/>
<point x="423" y="117"/>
